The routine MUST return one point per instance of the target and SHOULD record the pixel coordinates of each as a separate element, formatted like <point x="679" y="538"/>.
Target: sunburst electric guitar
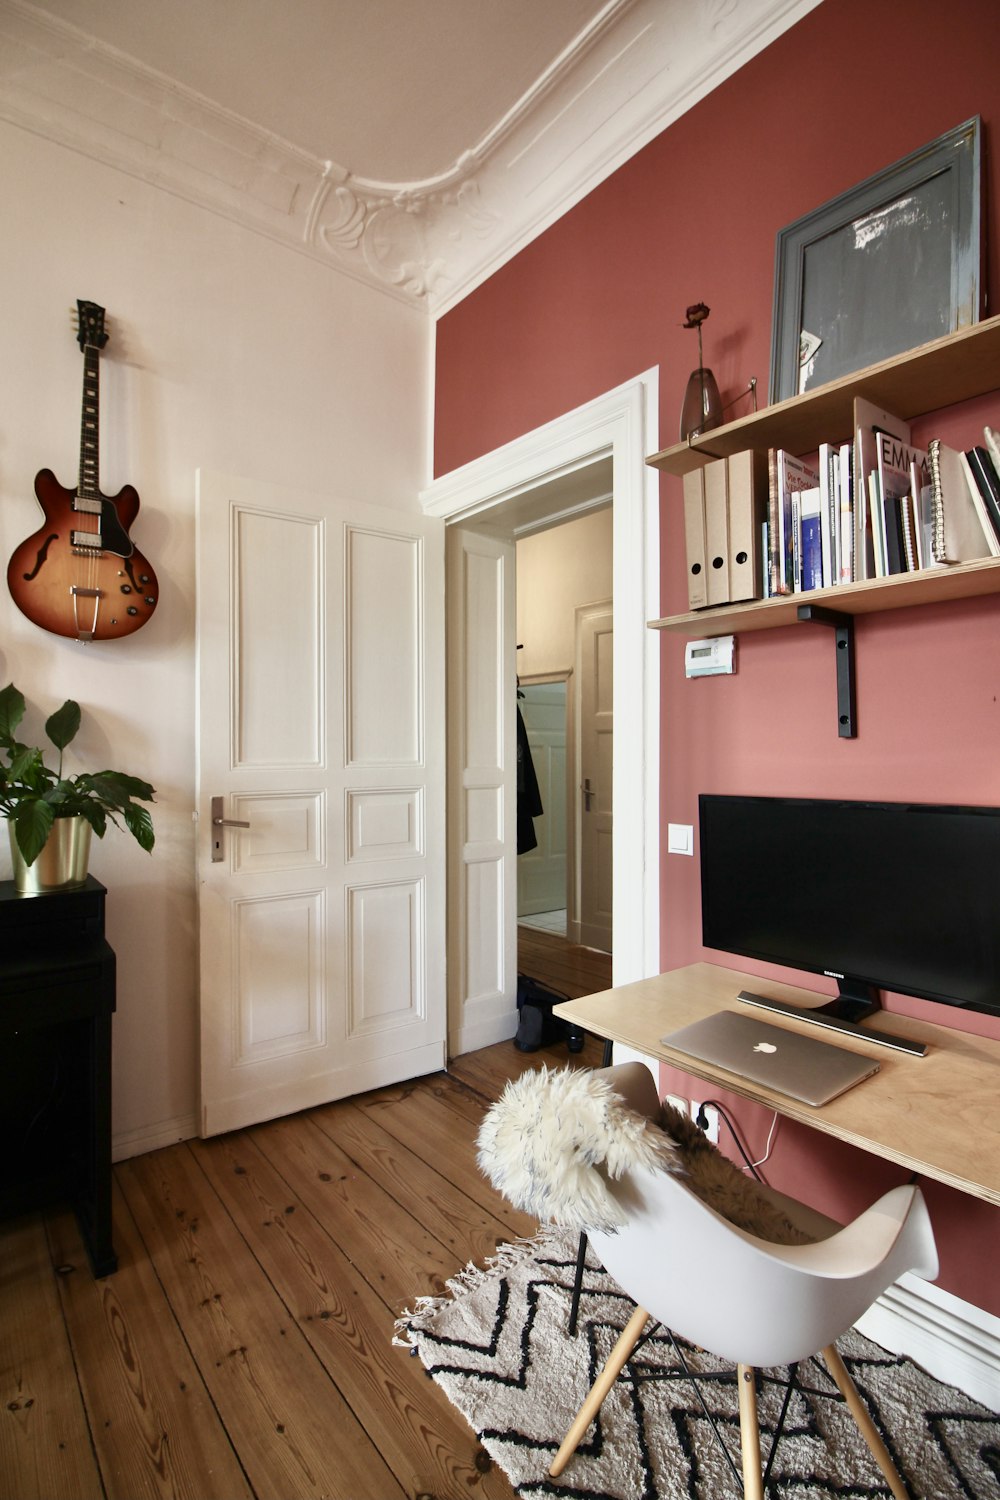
<point x="80" y="574"/>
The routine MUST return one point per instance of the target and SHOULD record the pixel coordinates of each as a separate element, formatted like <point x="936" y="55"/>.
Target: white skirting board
<point x="152" y="1137"/>
<point x="951" y="1339"/>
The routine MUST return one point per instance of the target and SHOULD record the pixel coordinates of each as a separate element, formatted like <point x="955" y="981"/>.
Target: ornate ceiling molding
<point x="637" y="67"/>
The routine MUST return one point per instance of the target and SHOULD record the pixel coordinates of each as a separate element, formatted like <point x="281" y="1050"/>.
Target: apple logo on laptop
<point x="765" y="1047"/>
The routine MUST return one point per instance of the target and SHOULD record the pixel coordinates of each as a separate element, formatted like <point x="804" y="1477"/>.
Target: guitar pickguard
<point x="114" y="537"/>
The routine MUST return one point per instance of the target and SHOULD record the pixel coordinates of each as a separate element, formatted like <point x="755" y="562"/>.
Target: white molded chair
<point x="743" y="1298"/>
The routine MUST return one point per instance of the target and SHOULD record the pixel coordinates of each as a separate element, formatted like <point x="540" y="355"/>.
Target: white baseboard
<point x="151" y="1137"/>
<point x="471" y="1036"/>
<point x="951" y="1339"/>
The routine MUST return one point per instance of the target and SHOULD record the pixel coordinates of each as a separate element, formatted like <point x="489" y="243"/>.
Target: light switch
<point x="680" y="838"/>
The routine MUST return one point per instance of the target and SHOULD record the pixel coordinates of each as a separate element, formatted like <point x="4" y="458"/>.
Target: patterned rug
<point x="498" y="1347"/>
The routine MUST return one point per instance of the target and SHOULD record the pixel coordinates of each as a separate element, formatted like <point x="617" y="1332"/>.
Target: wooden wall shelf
<point x="900" y="591"/>
<point x="953" y="368"/>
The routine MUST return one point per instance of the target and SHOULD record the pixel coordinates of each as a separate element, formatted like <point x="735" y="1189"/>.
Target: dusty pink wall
<point x="601" y="296"/>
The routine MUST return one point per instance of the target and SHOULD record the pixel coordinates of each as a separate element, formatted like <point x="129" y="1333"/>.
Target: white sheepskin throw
<point x="553" y="1137"/>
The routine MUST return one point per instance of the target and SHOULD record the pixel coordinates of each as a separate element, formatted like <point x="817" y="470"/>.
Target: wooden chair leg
<point x="867" y="1427"/>
<point x="753" y="1482"/>
<point x="627" y="1340"/>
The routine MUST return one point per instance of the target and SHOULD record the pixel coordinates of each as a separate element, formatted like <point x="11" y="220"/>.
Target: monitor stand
<point x="854" y="1002"/>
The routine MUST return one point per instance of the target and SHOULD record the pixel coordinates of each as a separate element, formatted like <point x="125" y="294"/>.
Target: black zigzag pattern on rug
<point x="498" y="1347"/>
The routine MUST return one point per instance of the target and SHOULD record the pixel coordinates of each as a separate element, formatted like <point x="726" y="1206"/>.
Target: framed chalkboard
<point x="889" y="265"/>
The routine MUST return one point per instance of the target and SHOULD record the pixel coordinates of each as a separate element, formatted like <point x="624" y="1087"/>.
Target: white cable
<point x="770" y="1138"/>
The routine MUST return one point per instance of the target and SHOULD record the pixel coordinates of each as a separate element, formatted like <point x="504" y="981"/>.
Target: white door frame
<point x="622" y="425"/>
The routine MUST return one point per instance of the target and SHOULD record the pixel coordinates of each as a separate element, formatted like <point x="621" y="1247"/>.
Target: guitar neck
<point x="88" y="489"/>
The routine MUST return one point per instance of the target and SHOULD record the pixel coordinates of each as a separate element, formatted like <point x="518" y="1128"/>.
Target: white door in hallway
<point x="321" y="729"/>
<point x="595" y="678"/>
<point x="541" y="872"/>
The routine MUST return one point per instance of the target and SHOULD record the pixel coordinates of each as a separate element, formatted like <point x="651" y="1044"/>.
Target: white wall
<point x="229" y="352"/>
<point x="557" y="570"/>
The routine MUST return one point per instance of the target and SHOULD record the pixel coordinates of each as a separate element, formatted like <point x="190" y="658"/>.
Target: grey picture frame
<point x="891" y="264"/>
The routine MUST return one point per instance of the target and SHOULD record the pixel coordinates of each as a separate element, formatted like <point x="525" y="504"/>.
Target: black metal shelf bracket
<point x="843" y="627"/>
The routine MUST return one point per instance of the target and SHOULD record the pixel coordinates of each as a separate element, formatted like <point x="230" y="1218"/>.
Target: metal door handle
<point x="218" y="821"/>
<point x="588" y="792"/>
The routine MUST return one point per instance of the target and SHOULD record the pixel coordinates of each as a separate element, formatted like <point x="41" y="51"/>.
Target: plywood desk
<point x="937" y="1115"/>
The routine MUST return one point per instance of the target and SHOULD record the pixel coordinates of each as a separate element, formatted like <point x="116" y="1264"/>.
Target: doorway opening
<point x="592" y="458"/>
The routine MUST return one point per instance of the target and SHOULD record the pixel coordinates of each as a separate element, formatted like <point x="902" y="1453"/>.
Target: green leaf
<point x="130" y="785"/>
<point x="32" y="823"/>
<point x="62" y="726"/>
<point x="95" y="816"/>
<point x="26" y="765"/>
<point x="140" y="825"/>
<point x="11" y="712"/>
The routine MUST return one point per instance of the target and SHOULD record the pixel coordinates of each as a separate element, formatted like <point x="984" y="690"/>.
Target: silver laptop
<point x="811" y="1071"/>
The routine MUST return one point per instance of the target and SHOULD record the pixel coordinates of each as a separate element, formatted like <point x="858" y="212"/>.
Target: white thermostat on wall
<point x="708" y="658"/>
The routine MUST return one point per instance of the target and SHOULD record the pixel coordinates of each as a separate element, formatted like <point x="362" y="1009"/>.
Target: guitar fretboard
<point x="88" y="489"/>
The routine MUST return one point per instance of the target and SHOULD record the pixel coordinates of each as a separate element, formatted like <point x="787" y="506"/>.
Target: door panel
<point x="321" y="726"/>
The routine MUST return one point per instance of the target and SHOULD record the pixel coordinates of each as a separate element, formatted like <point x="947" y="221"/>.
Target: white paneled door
<point x="482" y="813"/>
<point x="321" y="742"/>
<point x="595" y="676"/>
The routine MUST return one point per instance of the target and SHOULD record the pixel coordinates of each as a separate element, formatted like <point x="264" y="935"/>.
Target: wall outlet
<point x="712" y="1115"/>
<point x="678" y="1103"/>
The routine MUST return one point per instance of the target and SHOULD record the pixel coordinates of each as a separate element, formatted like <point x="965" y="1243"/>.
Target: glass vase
<point x="702" y="407"/>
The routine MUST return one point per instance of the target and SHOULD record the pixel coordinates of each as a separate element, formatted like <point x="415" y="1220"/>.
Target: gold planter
<point x="62" y="864"/>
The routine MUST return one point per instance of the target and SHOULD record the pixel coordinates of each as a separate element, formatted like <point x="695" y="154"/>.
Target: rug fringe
<point x="509" y="1254"/>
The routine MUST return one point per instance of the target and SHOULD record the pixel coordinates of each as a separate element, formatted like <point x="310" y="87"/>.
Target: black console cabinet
<point x="57" y="996"/>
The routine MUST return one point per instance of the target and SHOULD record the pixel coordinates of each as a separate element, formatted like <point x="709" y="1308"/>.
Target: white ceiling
<point x="413" y="144"/>
<point x="394" y="90"/>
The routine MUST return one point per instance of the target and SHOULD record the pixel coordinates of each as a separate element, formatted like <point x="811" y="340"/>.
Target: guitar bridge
<point x="83" y="633"/>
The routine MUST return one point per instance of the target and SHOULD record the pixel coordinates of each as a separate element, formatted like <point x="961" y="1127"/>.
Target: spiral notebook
<point x="802" y="1067"/>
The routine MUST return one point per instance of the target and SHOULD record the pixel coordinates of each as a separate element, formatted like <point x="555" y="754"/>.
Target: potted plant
<point x="47" y="811"/>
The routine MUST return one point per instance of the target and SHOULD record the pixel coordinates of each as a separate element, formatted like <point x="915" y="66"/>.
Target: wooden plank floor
<point x="562" y="965"/>
<point x="244" y="1346"/>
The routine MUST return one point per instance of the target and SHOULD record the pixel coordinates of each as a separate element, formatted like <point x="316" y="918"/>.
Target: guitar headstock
<point x="90" y="325"/>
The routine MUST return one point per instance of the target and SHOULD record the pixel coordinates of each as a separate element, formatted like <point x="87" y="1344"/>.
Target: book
<point x="845" y="489"/>
<point x="773" y="553"/>
<point x="875" y="564"/>
<point x="869" y="421"/>
<point x="793" y="476"/>
<point x="921" y="493"/>
<point x="992" y="440"/>
<point x="829" y="472"/>
<point x="959" y="533"/>
<point x="979" y="506"/>
<point x="985" y="476"/>
<point x="908" y="528"/>
<point x="810" y="503"/>
<point x="894" y="460"/>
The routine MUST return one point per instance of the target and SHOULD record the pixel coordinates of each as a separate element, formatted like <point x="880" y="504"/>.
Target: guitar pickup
<point x="85" y="541"/>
